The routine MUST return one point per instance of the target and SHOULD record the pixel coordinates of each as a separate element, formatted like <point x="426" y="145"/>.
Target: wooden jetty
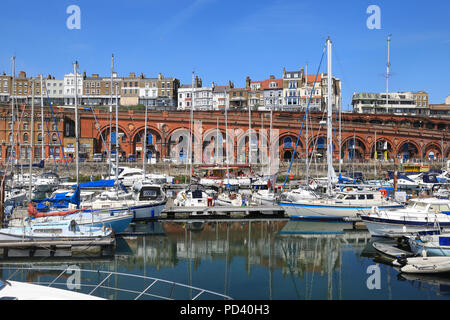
<point x="223" y="211"/>
<point x="56" y="248"/>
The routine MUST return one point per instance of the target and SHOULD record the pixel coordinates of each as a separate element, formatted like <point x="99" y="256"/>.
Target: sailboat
<point x="117" y="220"/>
<point x="341" y="205"/>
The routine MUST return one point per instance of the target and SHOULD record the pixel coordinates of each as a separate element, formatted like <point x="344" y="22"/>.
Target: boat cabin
<point x="430" y="205"/>
<point x="149" y="193"/>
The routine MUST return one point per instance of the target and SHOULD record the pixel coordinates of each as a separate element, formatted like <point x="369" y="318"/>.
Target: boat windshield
<point x="420" y="205"/>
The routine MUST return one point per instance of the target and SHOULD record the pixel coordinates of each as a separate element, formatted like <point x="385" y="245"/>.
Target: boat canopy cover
<point x="60" y="200"/>
<point x="444" y="241"/>
<point x="97" y="184"/>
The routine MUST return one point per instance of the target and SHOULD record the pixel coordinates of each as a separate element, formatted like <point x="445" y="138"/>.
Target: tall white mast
<point x="329" y="120"/>
<point x="42" y="119"/>
<point x="249" y="134"/>
<point x="144" y="142"/>
<point x="387" y="70"/>
<point x="191" y="128"/>
<point x="31" y="140"/>
<point x="306" y="128"/>
<point x="110" y="114"/>
<point x="13" y="146"/>
<point x="226" y="133"/>
<point x="77" y="135"/>
<point x="340" y="133"/>
<point x="117" y="136"/>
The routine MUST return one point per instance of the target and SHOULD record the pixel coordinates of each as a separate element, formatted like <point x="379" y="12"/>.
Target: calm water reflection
<point x="251" y="259"/>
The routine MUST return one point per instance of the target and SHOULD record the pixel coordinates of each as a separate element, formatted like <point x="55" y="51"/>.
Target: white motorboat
<point x="299" y="194"/>
<point x="229" y="198"/>
<point x="419" y="215"/>
<point x="345" y="204"/>
<point x="17" y="290"/>
<point x="195" y="195"/>
<point x="15" y="196"/>
<point x="264" y="197"/>
<point x="46" y="182"/>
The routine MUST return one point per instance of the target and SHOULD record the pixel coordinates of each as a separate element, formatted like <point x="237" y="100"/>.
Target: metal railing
<point x="98" y="284"/>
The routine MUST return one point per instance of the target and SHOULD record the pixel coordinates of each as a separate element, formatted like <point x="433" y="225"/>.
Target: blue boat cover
<point x="444" y="241"/>
<point x="61" y="200"/>
<point x="97" y="184"/>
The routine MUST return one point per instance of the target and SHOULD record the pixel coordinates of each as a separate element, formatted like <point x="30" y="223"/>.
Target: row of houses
<point x="294" y="91"/>
<point x="290" y="92"/>
<point x="399" y="103"/>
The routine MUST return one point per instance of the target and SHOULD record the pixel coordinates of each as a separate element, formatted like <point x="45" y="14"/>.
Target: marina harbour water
<point x="249" y="259"/>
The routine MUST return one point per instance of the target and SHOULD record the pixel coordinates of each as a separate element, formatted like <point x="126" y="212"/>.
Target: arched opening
<point x="382" y="150"/>
<point x="102" y="145"/>
<point x="287" y="146"/>
<point x="408" y="151"/>
<point x="432" y="152"/>
<point x="153" y="146"/>
<point x="287" y="155"/>
<point x="353" y="149"/>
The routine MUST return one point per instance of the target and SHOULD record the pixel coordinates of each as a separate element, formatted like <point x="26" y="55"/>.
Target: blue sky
<point x="229" y="40"/>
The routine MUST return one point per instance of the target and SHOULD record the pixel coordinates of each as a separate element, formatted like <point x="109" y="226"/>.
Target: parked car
<point x="131" y="158"/>
<point x="64" y="160"/>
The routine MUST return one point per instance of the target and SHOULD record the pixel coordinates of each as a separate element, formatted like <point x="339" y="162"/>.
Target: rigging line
<point x="343" y="78"/>
<point x="101" y="135"/>
<point x="315" y="141"/>
<point x="51" y="147"/>
<point x="304" y="117"/>
<point x="57" y="132"/>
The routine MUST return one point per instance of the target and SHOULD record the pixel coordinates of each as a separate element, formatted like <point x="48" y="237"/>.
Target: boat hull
<point x="148" y="211"/>
<point x="381" y="227"/>
<point x="326" y="211"/>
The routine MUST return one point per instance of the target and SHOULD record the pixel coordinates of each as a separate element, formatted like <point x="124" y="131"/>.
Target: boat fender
<point x="183" y="195"/>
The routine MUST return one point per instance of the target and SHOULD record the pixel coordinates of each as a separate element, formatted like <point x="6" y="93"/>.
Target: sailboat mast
<point x="31" y="140"/>
<point x="226" y="133"/>
<point x="191" y="129"/>
<point x="329" y="120"/>
<point x="77" y="135"/>
<point x="117" y="135"/>
<point x="42" y="119"/>
<point x="387" y="70"/>
<point x="306" y="128"/>
<point x="144" y="142"/>
<point x="13" y="146"/>
<point x="340" y="134"/>
<point x="110" y="115"/>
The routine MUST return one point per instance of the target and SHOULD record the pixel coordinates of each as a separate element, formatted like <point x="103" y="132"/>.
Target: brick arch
<point x="286" y="152"/>
<point x="312" y="141"/>
<point x="402" y="142"/>
<point x="391" y="154"/>
<point x="137" y="130"/>
<point x="106" y="127"/>
<point x="294" y="137"/>
<point x="432" y="146"/>
<point x="363" y="151"/>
